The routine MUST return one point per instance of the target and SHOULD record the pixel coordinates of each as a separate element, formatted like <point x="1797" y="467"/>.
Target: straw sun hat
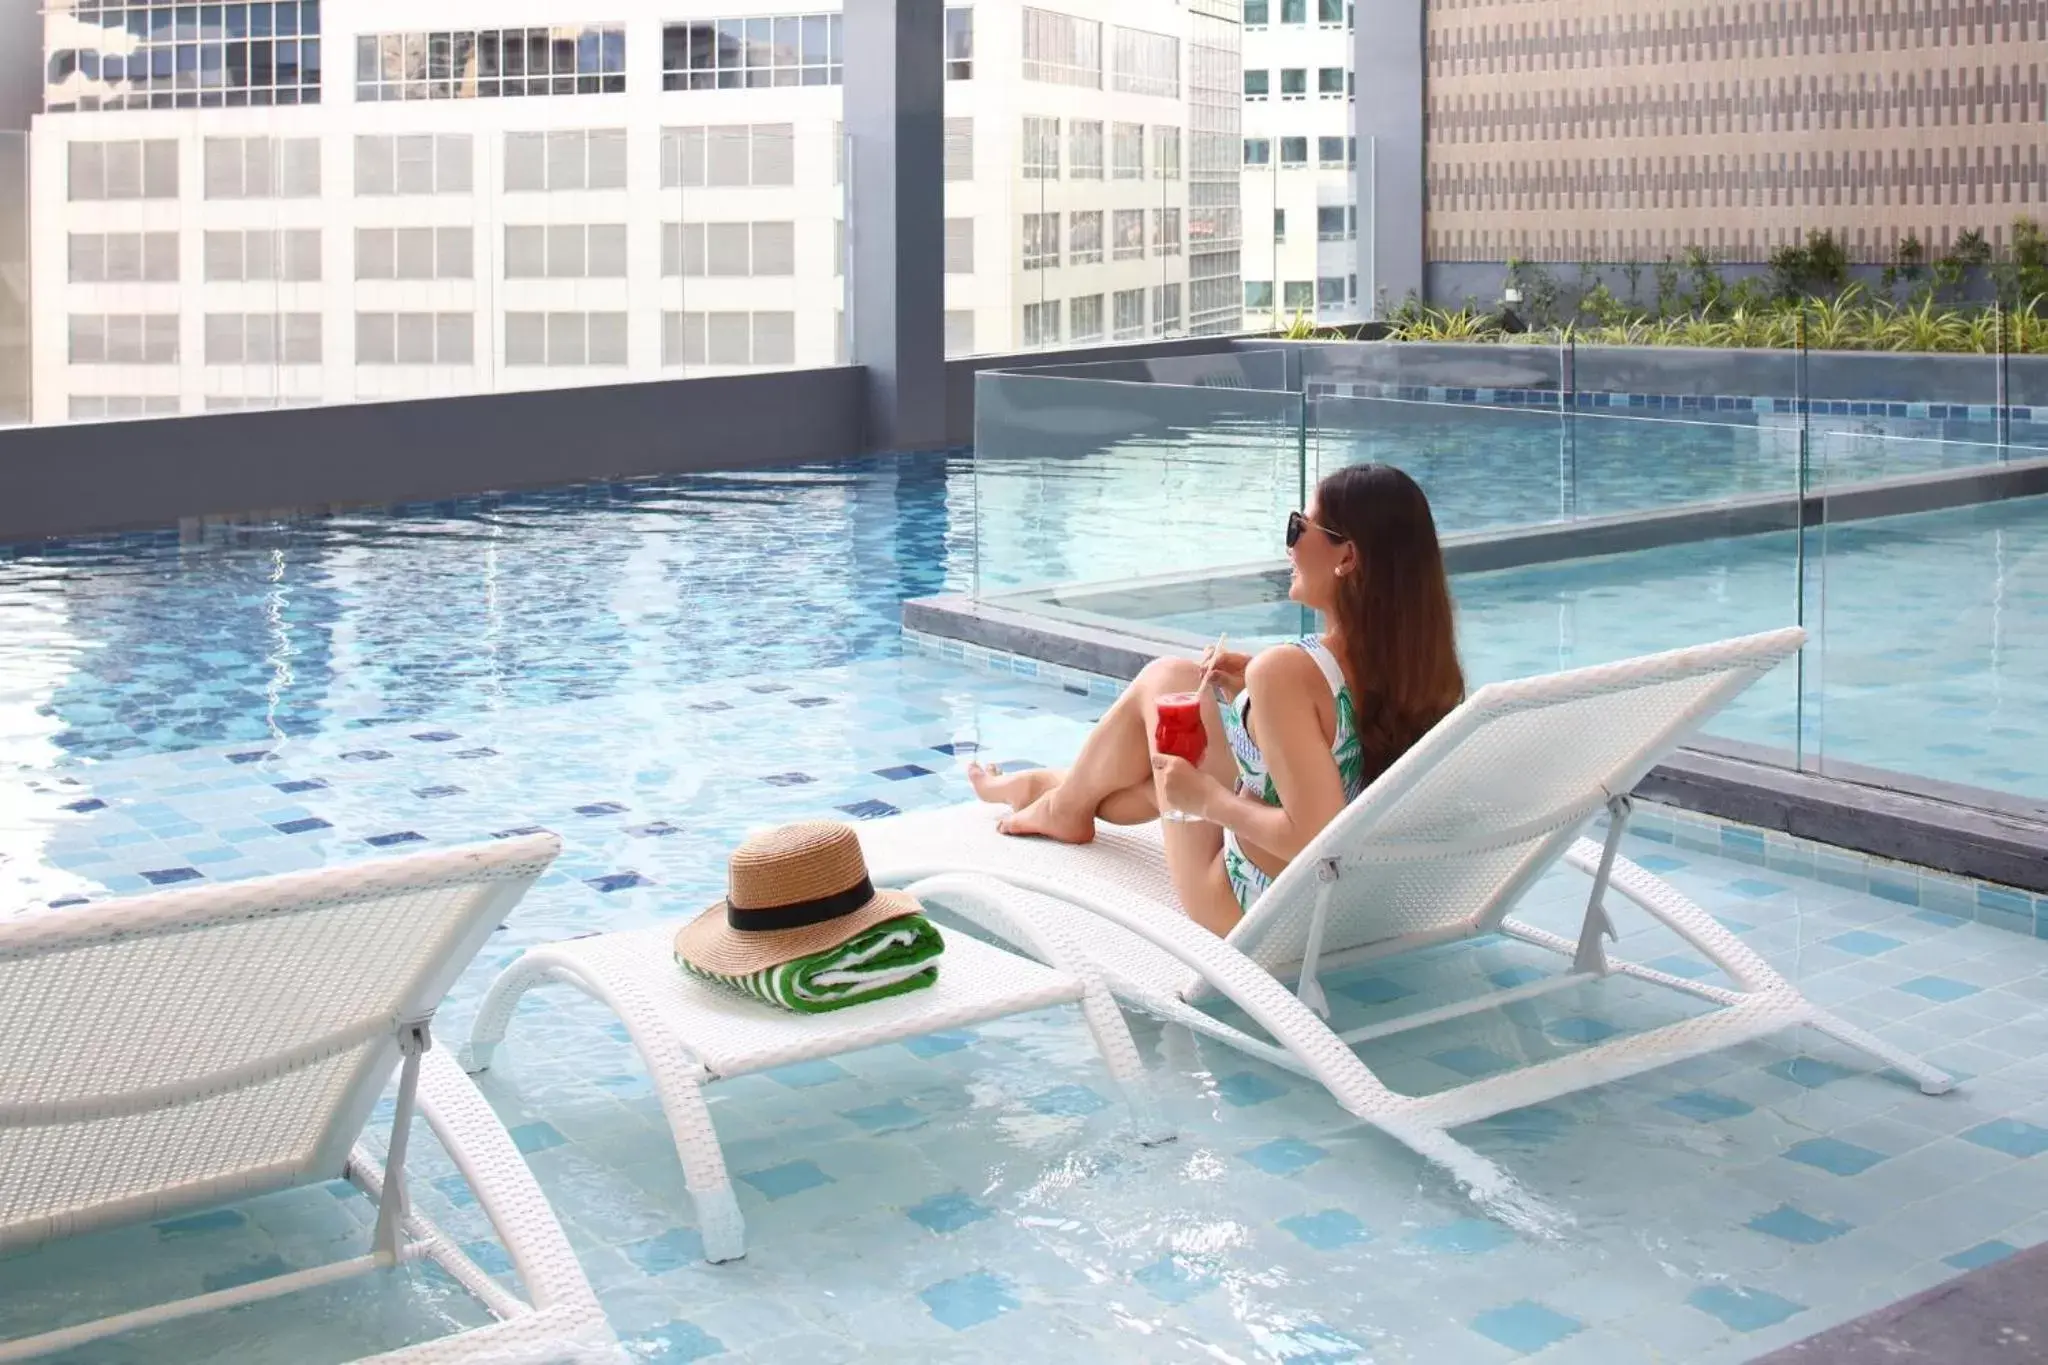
<point x="791" y="892"/>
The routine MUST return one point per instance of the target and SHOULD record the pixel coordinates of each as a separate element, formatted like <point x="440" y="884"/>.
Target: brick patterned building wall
<point x="1590" y="130"/>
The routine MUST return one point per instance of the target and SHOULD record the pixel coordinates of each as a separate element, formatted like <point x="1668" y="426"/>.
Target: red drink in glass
<point x="1181" y="733"/>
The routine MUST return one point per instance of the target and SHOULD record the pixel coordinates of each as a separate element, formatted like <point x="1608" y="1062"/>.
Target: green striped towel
<point x="895" y="956"/>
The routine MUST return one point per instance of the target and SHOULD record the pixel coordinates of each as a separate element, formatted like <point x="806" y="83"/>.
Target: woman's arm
<point x="1286" y="684"/>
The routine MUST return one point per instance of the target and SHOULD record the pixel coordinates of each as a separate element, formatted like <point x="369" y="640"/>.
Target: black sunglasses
<point x="1298" y="525"/>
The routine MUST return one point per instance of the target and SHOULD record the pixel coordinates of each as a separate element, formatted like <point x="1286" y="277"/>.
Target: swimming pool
<point x="653" y="669"/>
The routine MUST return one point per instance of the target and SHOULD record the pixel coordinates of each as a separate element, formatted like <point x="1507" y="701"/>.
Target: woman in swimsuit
<point x="1333" y="711"/>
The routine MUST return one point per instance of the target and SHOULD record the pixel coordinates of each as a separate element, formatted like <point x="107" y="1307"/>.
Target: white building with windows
<point x="306" y="201"/>
<point x="1301" y="233"/>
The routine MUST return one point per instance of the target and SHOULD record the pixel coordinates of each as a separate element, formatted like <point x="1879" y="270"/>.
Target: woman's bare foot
<point x="1040" y="819"/>
<point x="1015" y="790"/>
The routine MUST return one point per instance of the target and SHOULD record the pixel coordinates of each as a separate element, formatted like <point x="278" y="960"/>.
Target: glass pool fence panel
<point x="1127" y="502"/>
<point x="1241" y="369"/>
<point x="1928" y="603"/>
<point x="17" y="376"/>
<point x="1503" y="375"/>
<point x="1483" y="467"/>
<point x="1922" y="400"/>
<point x="2026" y="388"/>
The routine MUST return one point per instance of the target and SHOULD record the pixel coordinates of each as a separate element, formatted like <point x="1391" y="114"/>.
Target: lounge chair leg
<point x="494" y="1016"/>
<point x="1591" y="956"/>
<point x="387" y="1241"/>
<point x="1932" y="1079"/>
<point x="1120" y="1054"/>
<point x="720" y="1224"/>
<point x="678" y="1080"/>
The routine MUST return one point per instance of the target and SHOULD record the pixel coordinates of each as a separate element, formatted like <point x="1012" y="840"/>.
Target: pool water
<point x="653" y="670"/>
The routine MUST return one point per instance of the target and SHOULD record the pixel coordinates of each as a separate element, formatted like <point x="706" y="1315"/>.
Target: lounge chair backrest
<point x="172" y="1051"/>
<point x="1450" y="836"/>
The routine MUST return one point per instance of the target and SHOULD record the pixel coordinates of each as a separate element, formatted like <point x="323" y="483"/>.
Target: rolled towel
<point x="891" y="958"/>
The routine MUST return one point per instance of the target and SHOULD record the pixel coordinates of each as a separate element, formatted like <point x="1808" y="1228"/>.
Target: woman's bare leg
<point x="1137" y="805"/>
<point x="1115" y="759"/>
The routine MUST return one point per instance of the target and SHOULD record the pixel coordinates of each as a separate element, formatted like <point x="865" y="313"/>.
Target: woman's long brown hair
<point x="1393" y="612"/>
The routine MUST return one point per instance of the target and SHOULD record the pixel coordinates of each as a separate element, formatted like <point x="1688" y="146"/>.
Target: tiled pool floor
<point x="974" y="1197"/>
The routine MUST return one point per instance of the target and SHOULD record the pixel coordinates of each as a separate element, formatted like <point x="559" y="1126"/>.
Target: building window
<point x="959" y="246"/>
<point x="1166" y="153"/>
<point x="1128" y="225"/>
<point x="1351" y="151"/>
<point x="1042" y="323"/>
<point x="1041" y="148"/>
<point x="414" y="163"/>
<point x="1085" y="149"/>
<point x="753" y="53"/>
<point x="959" y="149"/>
<point x="565" y="59"/>
<point x="262" y="338"/>
<point x="1294" y="151"/>
<point x="1330" y="223"/>
<point x="1258" y="84"/>
<point x="123" y="339"/>
<point x="732" y="154"/>
<point x="1258" y="296"/>
<point x="1127" y="151"/>
<point x="1294" y="83"/>
<point x="1330" y="291"/>
<point x="1330" y="151"/>
<point x="565" y="339"/>
<point x="1062" y="50"/>
<point x="86" y="407"/>
<point x="1084" y="318"/>
<point x="1254" y="13"/>
<point x="1351" y="287"/>
<point x="1329" y="82"/>
<point x="1293" y="11"/>
<point x="1084" y="246"/>
<point x="1145" y="63"/>
<point x="1041" y="241"/>
<point x="565" y="251"/>
<point x="959" y="44"/>
<point x="730" y="339"/>
<point x="1165" y="309"/>
<point x="1330" y="12"/>
<point x="122" y="257"/>
<point x="185" y="57"/>
<point x="262" y="167"/>
<point x="1258" y="151"/>
<point x="1166" y="232"/>
<point x="1298" y="294"/>
<point x="415" y="338"/>
<point x="292" y="254"/>
<point x="1279" y="225"/>
<point x="728" y="250"/>
<point x="1129" y="320"/>
<point x="122" y="170"/>
<point x="567" y="159"/>
<point x="959" y="331"/>
<point x="447" y="253"/>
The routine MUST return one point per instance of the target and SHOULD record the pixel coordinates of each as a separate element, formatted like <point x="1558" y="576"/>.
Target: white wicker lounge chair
<point x="1438" y="850"/>
<point x="691" y="1033"/>
<point x="173" y="1052"/>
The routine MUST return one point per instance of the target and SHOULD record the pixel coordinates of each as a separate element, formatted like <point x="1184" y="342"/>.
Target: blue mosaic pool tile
<point x="789" y="780"/>
<point x="171" y="876"/>
<point x="1068" y="1101"/>
<point x="1510" y="977"/>
<point x="1529" y="1125"/>
<point x="791" y="1177"/>
<point x="618" y="881"/>
<point x="1243" y="1089"/>
<point x="676" y="1343"/>
<point x="1691" y="968"/>
<point x="1833" y="1155"/>
<point x="597" y="808"/>
<point x="1705" y="1106"/>
<point x="903" y="772"/>
<point x="1941" y="989"/>
<point x="1527" y="1327"/>
<point x="2014" y="1137"/>
<point x="519" y="832"/>
<point x="491" y="1258"/>
<point x="803" y="1075"/>
<point x="453" y="1188"/>
<point x="1582" y="1029"/>
<point x="1463" y="1237"/>
<point x="392" y="840"/>
<point x="939" y="1044"/>
<point x="869" y="810"/>
<point x="1891" y="889"/>
<point x="480" y="752"/>
<point x="1373" y="990"/>
<point x="1284" y="1156"/>
<point x="1864" y="943"/>
<point x="1752" y="888"/>
<point x="671" y="1250"/>
<point x="887" y="1117"/>
<point x="86" y="806"/>
<point x="970" y="1300"/>
<point x="199" y="1224"/>
<point x="538" y="1136"/>
<point x="366" y="756"/>
<point x="944" y="1213"/>
<point x="1811" y="1072"/>
<point x="1327" y="1230"/>
<point x="657" y="829"/>
<point x="1470" y="1061"/>
<point x="303" y="784"/>
<point x="1798" y="1226"/>
<point x="1173" y="1280"/>
<point x="304" y="826"/>
<point x="250" y="756"/>
<point x="260" y="1268"/>
<point x="1981" y="1255"/>
<point x="436" y="792"/>
<point x="1743" y="1308"/>
<point x="957" y="747"/>
<point x="436" y="736"/>
<point x="1939" y="920"/>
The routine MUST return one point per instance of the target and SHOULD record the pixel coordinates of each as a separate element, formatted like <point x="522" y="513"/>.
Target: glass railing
<point x="1578" y="530"/>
